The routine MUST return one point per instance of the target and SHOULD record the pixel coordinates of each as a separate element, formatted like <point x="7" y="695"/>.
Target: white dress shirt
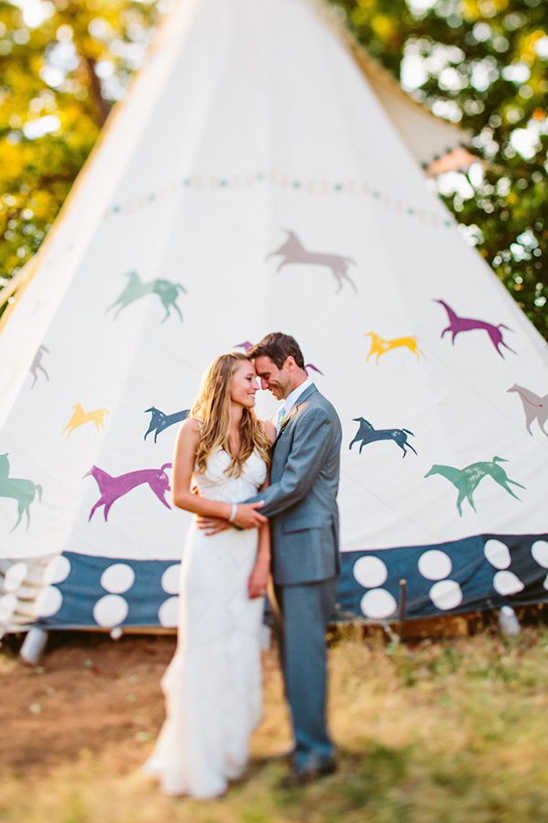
<point x="289" y="402"/>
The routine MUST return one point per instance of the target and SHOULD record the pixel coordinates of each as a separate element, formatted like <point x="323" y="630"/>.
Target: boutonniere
<point x="285" y="421"/>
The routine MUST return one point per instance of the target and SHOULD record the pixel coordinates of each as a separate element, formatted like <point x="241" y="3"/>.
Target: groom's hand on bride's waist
<point x="246" y="516"/>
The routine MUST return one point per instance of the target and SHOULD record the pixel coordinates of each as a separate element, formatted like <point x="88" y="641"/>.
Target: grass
<point x="452" y="731"/>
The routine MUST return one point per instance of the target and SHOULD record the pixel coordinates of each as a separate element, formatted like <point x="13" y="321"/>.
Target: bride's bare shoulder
<point x="269" y="429"/>
<point x="190" y="429"/>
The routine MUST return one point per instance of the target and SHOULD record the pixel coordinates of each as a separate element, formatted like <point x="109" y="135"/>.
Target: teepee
<point x="264" y="175"/>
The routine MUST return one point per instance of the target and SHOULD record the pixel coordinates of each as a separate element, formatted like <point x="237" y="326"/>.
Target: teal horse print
<point x="24" y="491"/>
<point x="167" y="291"/>
<point x="466" y="480"/>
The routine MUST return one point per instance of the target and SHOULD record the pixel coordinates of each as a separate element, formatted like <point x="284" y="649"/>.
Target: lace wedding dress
<point x="213" y="684"/>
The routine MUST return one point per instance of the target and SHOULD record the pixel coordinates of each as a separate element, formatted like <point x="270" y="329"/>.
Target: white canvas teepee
<point x="256" y="180"/>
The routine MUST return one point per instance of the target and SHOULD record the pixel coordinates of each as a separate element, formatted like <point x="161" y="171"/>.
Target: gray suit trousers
<point x="304" y="611"/>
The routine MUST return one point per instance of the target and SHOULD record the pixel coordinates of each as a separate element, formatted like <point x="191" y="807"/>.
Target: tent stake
<point x="402" y="605"/>
<point x="33" y="646"/>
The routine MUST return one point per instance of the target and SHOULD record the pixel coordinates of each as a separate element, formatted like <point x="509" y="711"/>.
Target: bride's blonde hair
<point x="212" y="410"/>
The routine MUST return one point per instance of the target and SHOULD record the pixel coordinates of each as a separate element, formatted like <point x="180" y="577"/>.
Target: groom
<point x="301" y="505"/>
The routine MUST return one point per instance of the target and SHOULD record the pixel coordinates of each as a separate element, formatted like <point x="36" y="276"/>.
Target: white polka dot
<point x="170" y="579"/>
<point x="110" y="610"/>
<point x="168" y="612"/>
<point x="118" y="578"/>
<point x="370" y="572"/>
<point x="539" y="550"/>
<point x="446" y="594"/>
<point x="57" y="570"/>
<point x="378" y="604"/>
<point x="15" y="576"/>
<point x="8" y="604"/>
<point x="435" y="565"/>
<point x="48" y="602"/>
<point x="507" y="583"/>
<point x="497" y="553"/>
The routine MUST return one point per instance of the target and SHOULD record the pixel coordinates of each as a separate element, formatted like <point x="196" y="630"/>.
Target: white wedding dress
<point x="213" y="684"/>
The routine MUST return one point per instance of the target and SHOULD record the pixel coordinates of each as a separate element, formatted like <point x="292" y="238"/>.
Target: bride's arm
<point x="183" y="469"/>
<point x="258" y="579"/>
<point x="213" y="524"/>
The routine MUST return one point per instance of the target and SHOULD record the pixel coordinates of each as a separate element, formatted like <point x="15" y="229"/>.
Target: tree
<point x="61" y="77"/>
<point x="482" y="64"/>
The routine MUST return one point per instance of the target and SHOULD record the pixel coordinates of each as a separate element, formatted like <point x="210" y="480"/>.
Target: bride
<point x="213" y="684"/>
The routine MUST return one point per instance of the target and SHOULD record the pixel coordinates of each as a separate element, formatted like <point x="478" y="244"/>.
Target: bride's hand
<point x="246" y="518"/>
<point x="258" y="581"/>
<point x="212" y="525"/>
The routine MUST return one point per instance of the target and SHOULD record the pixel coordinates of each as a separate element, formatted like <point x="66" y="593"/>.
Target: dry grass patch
<point x="453" y="731"/>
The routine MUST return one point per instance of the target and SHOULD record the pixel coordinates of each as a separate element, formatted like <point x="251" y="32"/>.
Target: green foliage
<point x="485" y="67"/>
<point x="483" y="64"/>
<point x="58" y="81"/>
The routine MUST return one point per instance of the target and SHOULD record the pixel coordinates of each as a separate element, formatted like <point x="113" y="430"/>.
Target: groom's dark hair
<point x="278" y="347"/>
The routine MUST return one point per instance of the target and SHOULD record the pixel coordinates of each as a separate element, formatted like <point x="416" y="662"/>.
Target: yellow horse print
<point x="380" y="346"/>
<point x="79" y="417"/>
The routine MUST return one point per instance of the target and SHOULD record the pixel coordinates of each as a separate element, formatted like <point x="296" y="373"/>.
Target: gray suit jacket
<point x="301" y="500"/>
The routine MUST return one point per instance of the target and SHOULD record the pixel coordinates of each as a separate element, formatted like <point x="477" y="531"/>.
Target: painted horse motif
<point x="379" y="346"/>
<point x="37" y="365"/>
<point x="460" y="324"/>
<point x="247" y="346"/>
<point x="24" y="491"/>
<point x="466" y="480"/>
<point x="367" y="434"/>
<point x="293" y="251"/>
<point x="167" y="292"/>
<point x="112" y="488"/>
<point x="535" y="407"/>
<point x="80" y="417"/>
<point x="160" y="421"/>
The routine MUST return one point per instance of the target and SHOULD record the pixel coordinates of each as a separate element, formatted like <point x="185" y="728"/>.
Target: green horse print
<point x="466" y="480"/>
<point x="167" y="292"/>
<point x="24" y="491"/>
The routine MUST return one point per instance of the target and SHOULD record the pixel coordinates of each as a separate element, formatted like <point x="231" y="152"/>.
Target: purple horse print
<point x="247" y="345"/>
<point x="112" y="488"/>
<point x="293" y="251"/>
<point x="458" y="324"/>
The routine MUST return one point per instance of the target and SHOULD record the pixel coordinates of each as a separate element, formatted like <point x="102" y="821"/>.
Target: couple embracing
<point x="266" y="503"/>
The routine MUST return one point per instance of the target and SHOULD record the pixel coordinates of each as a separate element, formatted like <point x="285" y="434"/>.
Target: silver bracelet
<point x="233" y="513"/>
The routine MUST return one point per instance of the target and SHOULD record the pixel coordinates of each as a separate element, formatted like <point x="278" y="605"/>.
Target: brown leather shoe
<point x="301" y="777"/>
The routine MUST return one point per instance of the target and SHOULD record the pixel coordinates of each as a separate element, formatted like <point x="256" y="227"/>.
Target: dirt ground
<point x="451" y="731"/>
<point x="91" y="695"/>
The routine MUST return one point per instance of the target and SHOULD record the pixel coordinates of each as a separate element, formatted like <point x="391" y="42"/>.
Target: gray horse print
<point x="466" y="480"/>
<point x="36" y="365"/>
<point x="535" y="407"/>
<point x="24" y="491"/>
<point x="167" y="291"/>
<point x="293" y="251"/>
<point x="367" y="434"/>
